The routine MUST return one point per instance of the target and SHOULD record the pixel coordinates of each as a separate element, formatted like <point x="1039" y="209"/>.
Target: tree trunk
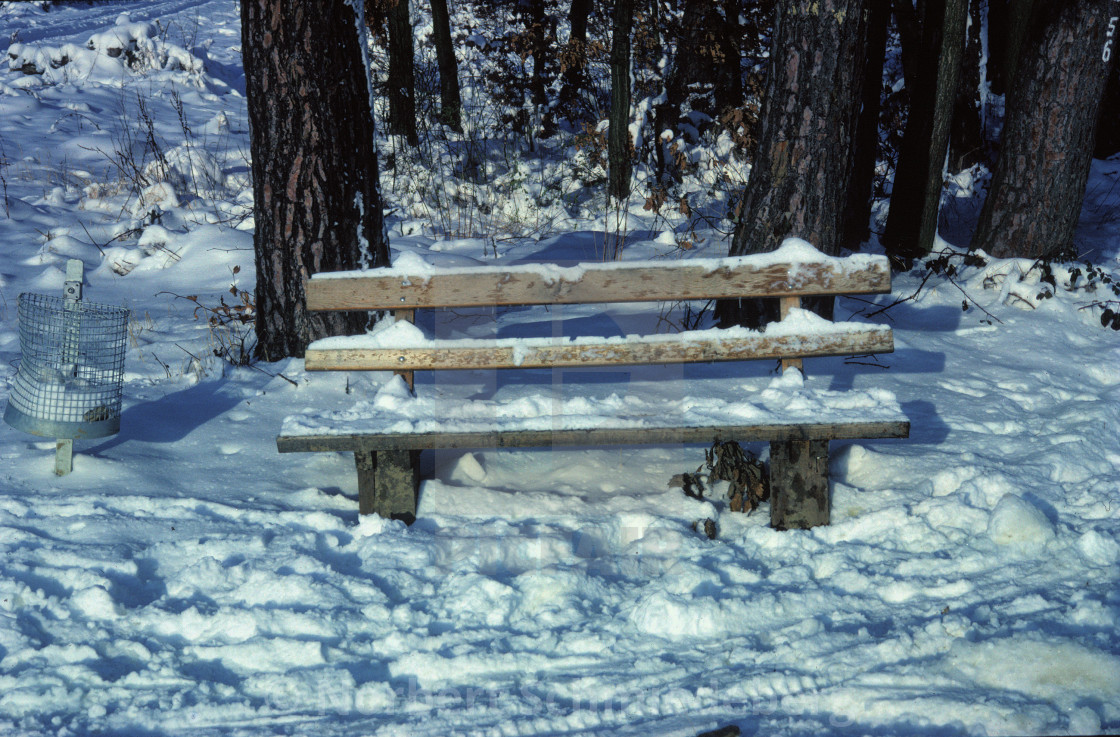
<point x="573" y="64"/>
<point x="909" y="26"/>
<point x="402" y="81"/>
<point x="706" y="68"/>
<point x="316" y="204"/>
<point x="538" y="30"/>
<point x="1047" y="143"/>
<point x="966" y="136"/>
<point x="450" y="102"/>
<point x="1007" y="24"/>
<point x="1018" y="16"/>
<point x="537" y="42"/>
<point x="692" y="62"/>
<point x="857" y="213"/>
<point x="997" y="46"/>
<point x="916" y="196"/>
<point x="798" y="182"/>
<point x="618" y="139"/>
<point x="729" y="73"/>
<point x="666" y="112"/>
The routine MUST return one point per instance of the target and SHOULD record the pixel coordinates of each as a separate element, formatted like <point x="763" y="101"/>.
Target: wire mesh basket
<point x="70" y="377"/>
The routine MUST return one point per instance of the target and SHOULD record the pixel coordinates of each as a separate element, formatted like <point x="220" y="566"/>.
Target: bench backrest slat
<point x="538" y="354"/>
<point x="597" y="283"/>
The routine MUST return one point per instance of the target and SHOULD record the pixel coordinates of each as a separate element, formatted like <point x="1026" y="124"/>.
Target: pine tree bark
<point x="916" y="196"/>
<point x="401" y="89"/>
<point x="1048" y="136"/>
<point x="799" y="176"/>
<point x="450" y="110"/>
<point x="618" y="136"/>
<point x="316" y="204"/>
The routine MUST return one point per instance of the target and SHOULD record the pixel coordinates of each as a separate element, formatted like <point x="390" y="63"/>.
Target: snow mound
<point x="188" y="168"/>
<point x="1098" y="548"/>
<point x="468" y="469"/>
<point x="1038" y="666"/>
<point x="1015" y="521"/>
<point x="125" y="47"/>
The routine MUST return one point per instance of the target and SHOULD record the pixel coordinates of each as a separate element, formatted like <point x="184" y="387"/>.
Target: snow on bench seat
<point x="786" y="408"/>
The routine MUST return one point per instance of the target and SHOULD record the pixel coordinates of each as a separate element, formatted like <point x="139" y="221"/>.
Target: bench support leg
<point x="798" y="484"/>
<point x="388" y="482"/>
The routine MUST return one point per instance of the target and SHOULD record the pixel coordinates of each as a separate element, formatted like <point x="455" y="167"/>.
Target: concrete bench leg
<point x="388" y="483"/>
<point x="798" y="484"/>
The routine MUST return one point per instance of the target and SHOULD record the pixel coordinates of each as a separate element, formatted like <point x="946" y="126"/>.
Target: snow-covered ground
<point x="187" y="578"/>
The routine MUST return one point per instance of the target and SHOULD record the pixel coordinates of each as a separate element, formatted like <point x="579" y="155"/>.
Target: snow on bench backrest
<point x="402" y="345"/>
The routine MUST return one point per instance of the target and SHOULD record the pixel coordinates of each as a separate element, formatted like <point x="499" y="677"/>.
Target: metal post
<point x="72" y="294"/>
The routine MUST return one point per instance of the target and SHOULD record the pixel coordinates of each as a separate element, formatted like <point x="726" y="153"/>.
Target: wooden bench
<point x="388" y="434"/>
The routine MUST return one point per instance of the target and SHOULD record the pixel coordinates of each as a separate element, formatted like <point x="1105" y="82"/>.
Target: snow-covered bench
<point x="387" y="431"/>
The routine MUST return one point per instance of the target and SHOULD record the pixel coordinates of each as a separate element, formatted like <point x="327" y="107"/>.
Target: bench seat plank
<point x="783" y="407"/>
<point x="775" y="274"/>
<point x="592" y="436"/>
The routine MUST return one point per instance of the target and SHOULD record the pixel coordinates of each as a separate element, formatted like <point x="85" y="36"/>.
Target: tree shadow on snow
<point x="581" y="246"/>
<point x="173" y="417"/>
<point x="940" y="319"/>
